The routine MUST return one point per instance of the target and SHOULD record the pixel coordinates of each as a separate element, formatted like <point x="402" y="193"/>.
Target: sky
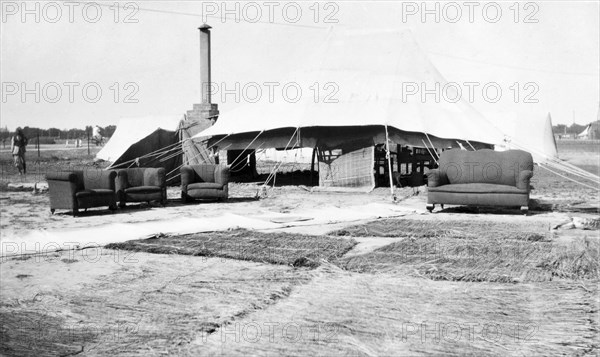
<point x="74" y="64"/>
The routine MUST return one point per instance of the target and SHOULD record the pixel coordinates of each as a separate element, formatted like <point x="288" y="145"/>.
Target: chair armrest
<point x="62" y="187"/>
<point x="154" y="177"/>
<point x="187" y="177"/>
<point x="121" y="182"/>
<point x="523" y="179"/>
<point x="436" y="178"/>
<point x="222" y="175"/>
<point x="61" y="176"/>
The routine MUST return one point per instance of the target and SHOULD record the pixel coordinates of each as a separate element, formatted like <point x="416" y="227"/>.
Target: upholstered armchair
<point x="141" y="185"/>
<point x="75" y="190"/>
<point x="204" y="181"/>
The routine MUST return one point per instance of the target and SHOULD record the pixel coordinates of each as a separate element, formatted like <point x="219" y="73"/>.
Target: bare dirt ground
<point x="96" y="301"/>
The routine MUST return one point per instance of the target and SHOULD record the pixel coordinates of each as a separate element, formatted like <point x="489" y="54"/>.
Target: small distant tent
<point x="585" y="133"/>
<point x="149" y="141"/>
<point x="591" y="131"/>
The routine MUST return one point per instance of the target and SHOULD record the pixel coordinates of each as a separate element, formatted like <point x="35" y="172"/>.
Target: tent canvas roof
<point x="371" y="73"/>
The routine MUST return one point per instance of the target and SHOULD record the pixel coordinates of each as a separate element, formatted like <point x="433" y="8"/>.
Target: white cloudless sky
<point x="155" y="60"/>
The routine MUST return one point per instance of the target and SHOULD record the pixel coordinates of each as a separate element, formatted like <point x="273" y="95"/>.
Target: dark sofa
<point x="75" y="190"/>
<point x="141" y="185"/>
<point x="204" y="181"/>
<point x="481" y="178"/>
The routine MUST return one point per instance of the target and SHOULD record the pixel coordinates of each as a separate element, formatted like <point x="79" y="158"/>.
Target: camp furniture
<point x="481" y="178"/>
<point x="141" y="185"/>
<point x="74" y="190"/>
<point x="204" y="181"/>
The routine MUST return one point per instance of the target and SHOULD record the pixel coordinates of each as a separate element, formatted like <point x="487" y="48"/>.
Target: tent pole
<point x="312" y="166"/>
<point x="389" y="160"/>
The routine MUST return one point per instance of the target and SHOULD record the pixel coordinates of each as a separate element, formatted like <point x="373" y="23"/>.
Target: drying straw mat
<point x="153" y="305"/>
<point x="475" y="251"/>
<point x="240" y="244"/>
<point x="341" y="313"/>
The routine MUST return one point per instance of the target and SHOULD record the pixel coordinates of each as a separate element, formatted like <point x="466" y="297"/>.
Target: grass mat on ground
<point x="467" y="229"/>
<point x="135" y="304"/>
<point x="475" y="251"/>
<point x="241" y="244"/>
<point x="350" y="314"/>
<point x="482" y="259"/>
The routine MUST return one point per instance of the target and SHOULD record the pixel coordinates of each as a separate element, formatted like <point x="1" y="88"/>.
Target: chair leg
<point x="52" y="210"/>
<point x="525" y="210"/>
<point x="75" y="212"/>
<point x="430" y="207"/>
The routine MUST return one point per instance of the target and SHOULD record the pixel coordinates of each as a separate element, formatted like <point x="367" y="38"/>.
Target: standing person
<point x="96" y="136"/>
<point x="17" y="147"/>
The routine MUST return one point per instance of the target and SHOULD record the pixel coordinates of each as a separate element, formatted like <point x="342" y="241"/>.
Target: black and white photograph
<point x="299" y="178"/>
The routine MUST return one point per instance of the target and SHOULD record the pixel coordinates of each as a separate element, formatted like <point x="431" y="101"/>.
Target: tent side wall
<point x="353" y="169"/>
<point x="159" y="139"/>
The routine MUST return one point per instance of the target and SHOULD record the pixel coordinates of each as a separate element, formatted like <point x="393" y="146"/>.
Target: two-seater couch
<point x="141" y="185"/>
<point x="481" y="178"/>
<point x="75" y="190"/>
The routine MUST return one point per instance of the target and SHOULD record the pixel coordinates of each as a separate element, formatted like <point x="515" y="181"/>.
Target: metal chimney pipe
<point x="205" y="63"/>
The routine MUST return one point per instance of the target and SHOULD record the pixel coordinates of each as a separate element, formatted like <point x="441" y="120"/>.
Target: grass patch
<point x="482" y="260"/>
<point x="241" y="244"/>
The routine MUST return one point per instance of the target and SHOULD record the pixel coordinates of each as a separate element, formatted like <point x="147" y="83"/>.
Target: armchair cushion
<point x="481" y="188"/>
<point x="143" y="189"/>
<point x="97" y="192"/>
<point x="204" y="185"/>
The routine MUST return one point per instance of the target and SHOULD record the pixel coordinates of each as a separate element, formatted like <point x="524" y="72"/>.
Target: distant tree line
<point x="55" y="133"/>
<point x="572" y="129"/>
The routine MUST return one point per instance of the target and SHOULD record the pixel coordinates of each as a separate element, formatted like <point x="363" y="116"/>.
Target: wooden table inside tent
<point x="410" y="163"/>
